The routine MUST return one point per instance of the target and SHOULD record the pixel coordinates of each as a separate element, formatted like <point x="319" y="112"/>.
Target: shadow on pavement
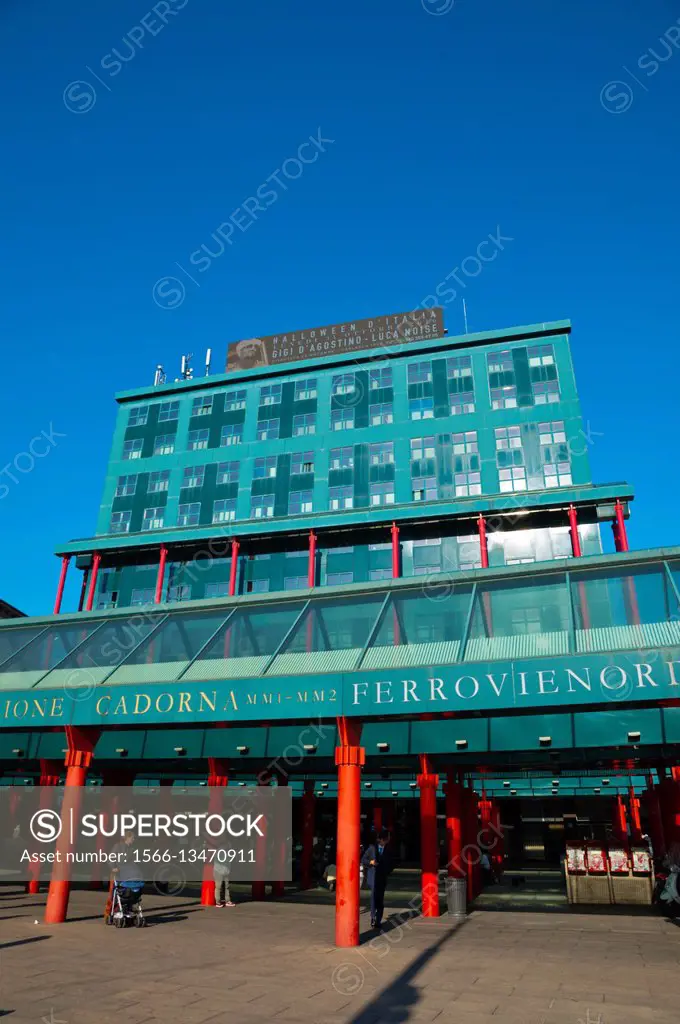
<point x="23" y="942"/>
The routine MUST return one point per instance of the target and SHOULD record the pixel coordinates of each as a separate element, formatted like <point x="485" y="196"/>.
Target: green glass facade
<point x="429" y="435"/>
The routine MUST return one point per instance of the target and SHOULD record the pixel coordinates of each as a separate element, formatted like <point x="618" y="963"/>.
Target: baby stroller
<point x="126" y="904"/>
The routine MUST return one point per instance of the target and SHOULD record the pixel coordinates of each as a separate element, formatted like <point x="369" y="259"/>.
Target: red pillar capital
<point x="94" y="572"/>
<point x="233" y="569"/>
<point x="483" y="544"/>
<point x="428" y="782"/>
<point x="573" y="530"/>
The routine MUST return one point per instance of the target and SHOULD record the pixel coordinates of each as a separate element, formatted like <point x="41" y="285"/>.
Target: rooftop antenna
<point x="186" y="372"/>
<point x="207" y="362"/>
<point x="159" y="376"/>
<point x="465" y="316"/>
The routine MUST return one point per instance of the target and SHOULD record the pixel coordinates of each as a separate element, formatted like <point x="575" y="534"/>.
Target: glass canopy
<point x="586" y="610"/>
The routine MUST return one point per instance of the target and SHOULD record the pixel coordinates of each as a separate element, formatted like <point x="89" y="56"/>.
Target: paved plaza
<point x="260" y="962"/>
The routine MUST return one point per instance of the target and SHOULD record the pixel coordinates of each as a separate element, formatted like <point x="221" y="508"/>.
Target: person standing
<point x="378" y="863"/>
<point x="221" y="876"/>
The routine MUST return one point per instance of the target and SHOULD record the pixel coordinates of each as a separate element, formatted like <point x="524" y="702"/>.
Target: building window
<point x="419" y="373"/>
<point x="227" y="473"/>
<point x="467" y="480"/>
<point x="343" y="384"/>
<point x="257" y="586"/>
<point x="513" y="479"/>
<point x="382" y="493"/>
<point x="342" y="419"/>
<point x="193" y="476"/>
<point x="270" y="395"/>
<point x="268" y="430"/>
<point x="168" y="411"/>
<point x="342" y="458"/>
<point x="264" y="467"/>
<point x="234" y="400"/>
<point x="217" y="590"/>
<point x="202" y="406"/>
<point x="465" y="444"/>
<point x="422" y="448"/>
<point x="502" y="387"/>
<point x="262" y="506"/>
<point x="554" y="454"/>
<point x="381" y="413"/>
<point x="467" y="484"/>
<point x="126" y="486"/>
<point x="164" y="444"/>
<point x="158" y="481"/>
<point x="299" y="503"/>
<point x="380" y="547"/>
<point x="139" y="414"/>
<point x="232" y="433"/>
<point x="301" y="462"/>
<point x="460" y="384"/>
<point x="132" y="449"/>
<point x="142" y="596"/>
<point x="189" y="515"/>
<point x="197" y="440"/>
<point x="153" y="519"/>
<point x="381" y="454"/>
<point x="339" y="579"/>
<point x="179" y="593"/>
<point x="305" y="389"/>
<point x="421" y="408"/>
<point x="510" y="459"/>
<point x="381" y="378"/>
<point x="379" y="574"/>
<point x="340" y="497"/>
<point x="424" y="488"/>
<point x="295" y="583"/>
<point x="224" y="510"/>
<point x="543" y="373"/>
<point x="552" y="433"/>
<point x="304" y="424"/>
<point x="120" y="522"/>
<point x="507" y="437"/>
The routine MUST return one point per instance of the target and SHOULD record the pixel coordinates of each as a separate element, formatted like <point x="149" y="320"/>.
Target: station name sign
<point x="531" y="683"/>
<point x="354" y="336"/>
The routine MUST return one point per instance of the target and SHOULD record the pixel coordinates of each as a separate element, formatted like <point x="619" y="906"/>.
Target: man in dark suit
<point x="378" y="863"/>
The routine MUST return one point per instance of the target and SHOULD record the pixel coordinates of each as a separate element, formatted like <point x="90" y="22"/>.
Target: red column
<point x="573" y="530"/>
<point x="454" y="826"/>
<point x="161" y="574"/>
<point x="619" y="528"/>
<point x="311" y="564"/>
<point x="218" y="778"/>
<point x="279" y="887"/>
<point x="258" y="887"/>
<point x="81" y="742"/>
<point x="635" y="823"/>
<point x="429" y="847"/>
<point x="483" y="545"/>
<point x="62" y="580"/>
<point x="396" y="552"/>
<point x="233" y="569"/>
<point x="96" y="560"/>
<point x="349" y="758"/>
<point x="308" y="809"/>
<point x="619" y="825"/>
<point x="49" y="777"/>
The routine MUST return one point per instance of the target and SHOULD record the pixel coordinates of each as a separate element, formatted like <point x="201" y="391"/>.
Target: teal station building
<point x="366" y="562"/>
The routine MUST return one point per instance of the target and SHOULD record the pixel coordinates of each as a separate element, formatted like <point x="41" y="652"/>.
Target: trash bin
<point x="456" y="896"/>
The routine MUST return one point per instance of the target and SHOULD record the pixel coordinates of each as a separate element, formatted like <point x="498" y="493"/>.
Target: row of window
<point x="503" y="389"/>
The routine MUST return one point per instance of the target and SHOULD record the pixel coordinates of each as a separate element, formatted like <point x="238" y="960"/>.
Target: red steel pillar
<point x="49" y="777"/>
<point x="161" y="574"/>
<point x="619" y="822"/>
<point x="454" y="826"/>
<point x="573" y="530"/>
<point x="396" y="552"/>
<point x="218" y="778"/>
<point x="483" y="544"/>
<point x="279" y="887"/>
<point x="619" y="528"/>
<point x="429" y="847"/>
<point x="233" y="569"/>
<point x="96" y="561"/>
<point x="81" y="741"/>
<point x="350" y="757"/>
<point x="62" y="581"/>
<point x="308" y="809"/>
<point x="311" y="564"/>
<point x="635" y="822"/>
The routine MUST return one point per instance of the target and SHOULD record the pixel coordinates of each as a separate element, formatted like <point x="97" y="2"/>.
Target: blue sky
<point x="445" y="127"/>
